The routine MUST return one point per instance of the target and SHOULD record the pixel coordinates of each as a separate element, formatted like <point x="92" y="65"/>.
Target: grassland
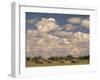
<point x="60" y="62"/>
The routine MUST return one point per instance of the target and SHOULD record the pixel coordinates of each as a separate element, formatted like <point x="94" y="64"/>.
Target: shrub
<point x="28" y="58"/>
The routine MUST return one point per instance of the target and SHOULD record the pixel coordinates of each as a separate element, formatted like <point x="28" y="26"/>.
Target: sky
<point x="61" y="19"/>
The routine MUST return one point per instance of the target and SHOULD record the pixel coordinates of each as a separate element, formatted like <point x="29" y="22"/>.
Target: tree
<point x="69" y="57"/>
<point x="35" y="59"/>
<point x="28" y="58"/>
<point x="53" y="58"/>
<point x="84" y="57"/>
<point x="61" y="58"/>
<point x="40" y="57"/>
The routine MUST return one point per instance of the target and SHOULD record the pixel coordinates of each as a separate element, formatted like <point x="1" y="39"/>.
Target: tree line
<point x="60" y="59"/>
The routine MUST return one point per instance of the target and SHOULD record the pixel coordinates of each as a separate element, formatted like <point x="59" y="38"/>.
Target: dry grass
<point x="56" y="63"/>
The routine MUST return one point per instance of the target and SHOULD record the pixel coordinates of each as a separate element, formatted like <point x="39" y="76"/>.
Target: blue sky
<point x="61" y="19"/>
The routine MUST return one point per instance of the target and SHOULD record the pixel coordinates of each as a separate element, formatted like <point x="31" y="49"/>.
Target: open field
<point x="31" y="63"/>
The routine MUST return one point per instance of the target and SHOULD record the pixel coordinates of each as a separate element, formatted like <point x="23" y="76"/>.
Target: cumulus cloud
<point x="39" y="42"/>
<point x="70" y="27"/>
<point x="81" y="37"/>
<point x="46" y="24"/>
<point x="75" y="44"/>
<point x="75" y="20"/>
<point x="85" y="23"/>
<point x="32" y="21"/>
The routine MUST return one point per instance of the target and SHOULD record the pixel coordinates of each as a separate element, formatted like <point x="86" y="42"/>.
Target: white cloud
<point x="70" y="27"/>
<point x="46" y="24"/>
<point x="51" y="19"/>
<point x="75" y="20"/>
<point x="85" y="23"/>
<point x="31" y="21"/>
<point x="76" y="44"/>
<point x="80" y="37"/>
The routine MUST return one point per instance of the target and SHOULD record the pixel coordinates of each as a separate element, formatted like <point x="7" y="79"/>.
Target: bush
<point x="69" y="57"/>
<point x="28" y="58"/>
<point x="84" y="57"/>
